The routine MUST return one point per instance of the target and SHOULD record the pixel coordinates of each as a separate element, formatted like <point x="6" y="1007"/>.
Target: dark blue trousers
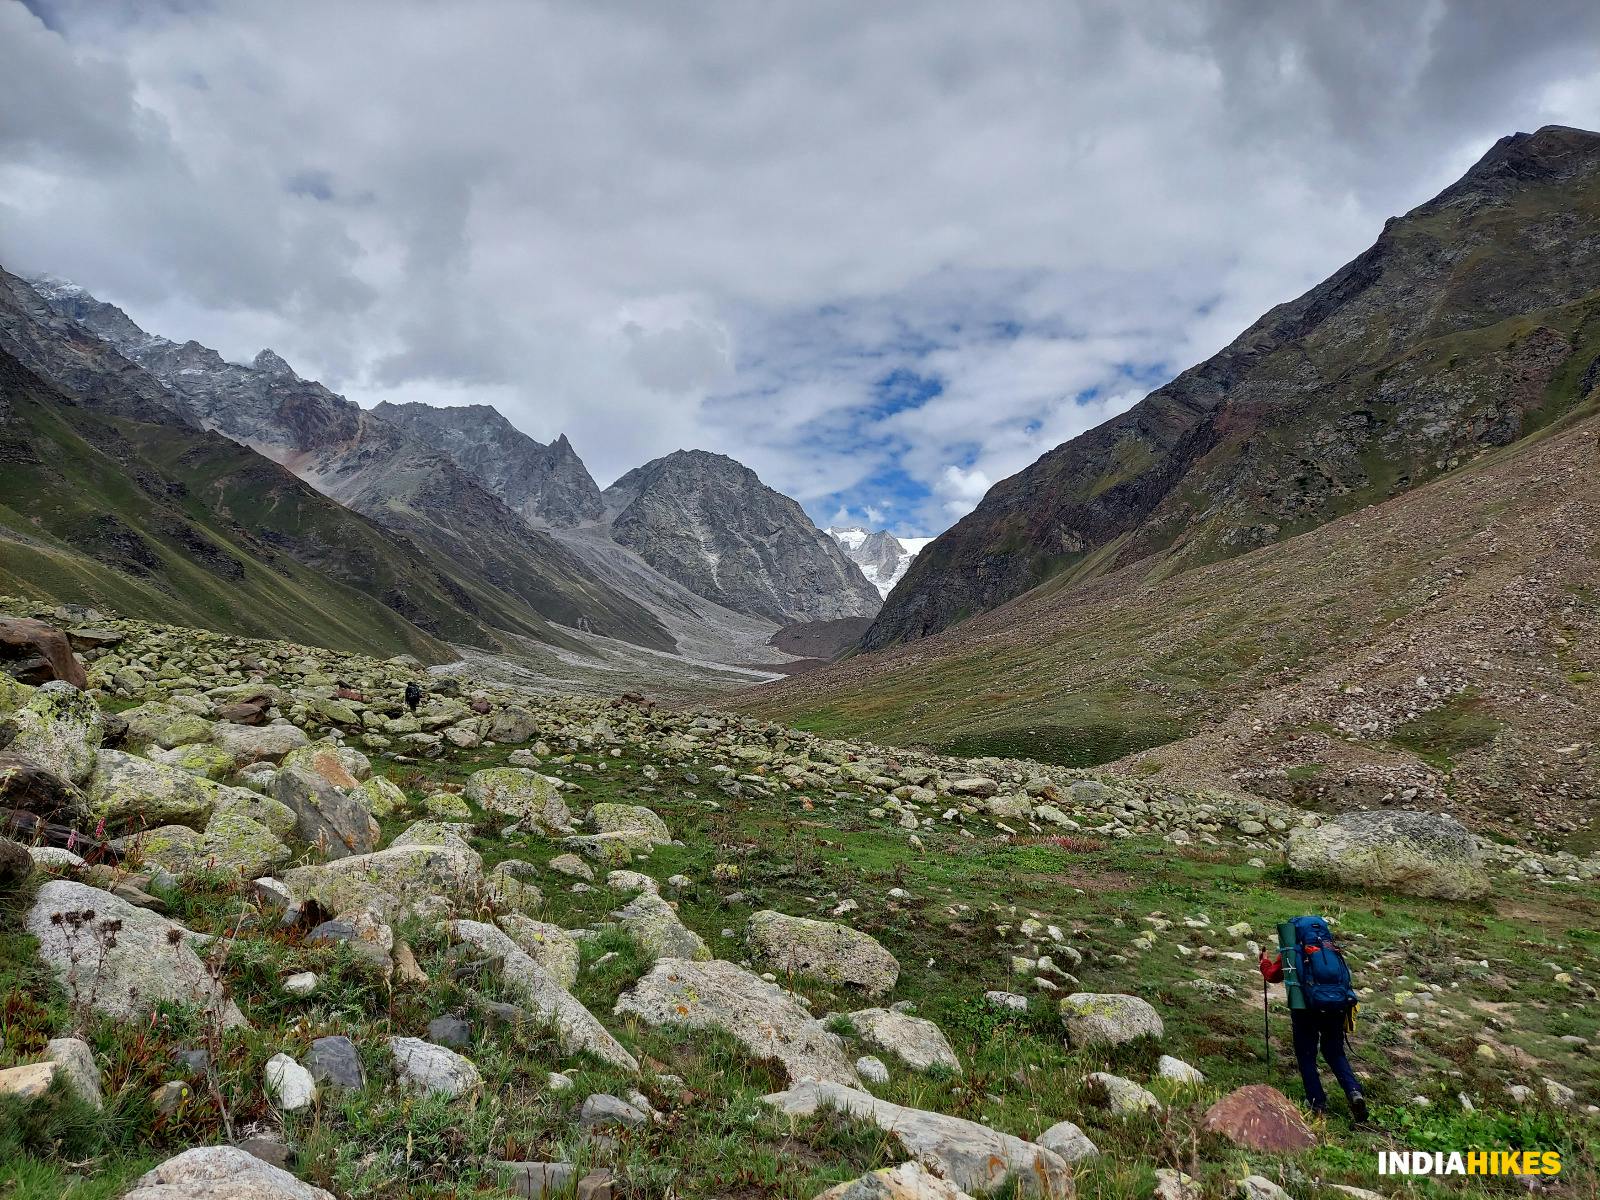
<point x="1321" y="1028"/>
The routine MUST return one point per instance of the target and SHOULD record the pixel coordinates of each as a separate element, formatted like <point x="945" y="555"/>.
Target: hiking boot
<point x="1358" y="1107"/>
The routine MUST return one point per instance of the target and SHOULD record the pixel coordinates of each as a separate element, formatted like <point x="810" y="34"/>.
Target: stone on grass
<point x="221" y="1173"/>
<point x="551" y="946"/>
<point x="765" y="1019"/>
<point x="1123" y="1097"/>
<point x="823" y="950"/>
<point x="76" y="1062"/>
<point x="1175" y="1185"/>
<point x="908" y="1181"/>
<point x="601" y="1111"/>
<point x="969" y="1155"/>
<point x="1258" y="1187"/>
<point x="573" y="866"/>
<point x="29" y="1081"/>
<point x="1177" y="1070"/>
<point x="918" y="1043"/>
<point x="289" y="1084"/>
<point x="423" y="1067"/>
<point x="871" y="1069"/>
<point x="1107" y="1019"/>
<point x="1067" y="1140"/>
<point x="629" y="818"/>
<point x="258" y="743"/>
<point x="403" y="880"/>
<point x="654" y="927"/>
<point x="335" y="1061"/>
<point x="327" y="817"/>
<point x="1259" y="1117"/>
<point x="576" y="1028"/>
<point x="532" y="799"/>
<point x="1417" y="853"/>
<point x="120" y="960"/>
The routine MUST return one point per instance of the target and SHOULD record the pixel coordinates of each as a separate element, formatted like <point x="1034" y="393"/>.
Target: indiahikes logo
<point x="1469" y="1162"/>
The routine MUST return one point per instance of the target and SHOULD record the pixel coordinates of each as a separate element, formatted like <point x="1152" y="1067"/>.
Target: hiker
<point x="413" y="696"/>
<point x="1322" y="1007"/>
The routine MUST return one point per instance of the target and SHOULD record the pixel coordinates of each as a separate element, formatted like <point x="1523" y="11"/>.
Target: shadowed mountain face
<point x="1469" y="324"/>
<point x="710" y="524"/>
<point x="546" y="485"/>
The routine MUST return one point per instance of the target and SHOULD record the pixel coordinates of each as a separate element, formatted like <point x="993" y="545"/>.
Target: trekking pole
<point x="1266" y="1022"/>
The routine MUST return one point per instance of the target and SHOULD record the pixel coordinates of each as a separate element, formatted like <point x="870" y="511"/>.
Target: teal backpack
<point x="1324" y="975"/>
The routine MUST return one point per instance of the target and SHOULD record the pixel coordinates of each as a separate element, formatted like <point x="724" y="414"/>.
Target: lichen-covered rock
<point x="629" y="818"/>
<point x="60" y="728"/>
<point x="1070" y="1142"/>
<point x="13" y="694"/>
<point x="823" y="950"/>
<point x="655" y="927"/>
<point x="382" y="797"/>
<point x="257" y="743"/>
<point x="339" y="765"/>
<point x="1122" y="1096"/>
<point x="765" y="1019"/>
<point x="328" y="818"/>
<point x="969" y="1155"/>
<point x="552" y="947"/>
<point x="523" y="795"/>
<point x="118" y="959"/>
<point x="197" y="758"/>
<point x="1108" y="1019"/>
<point x="918" y="1043"/>
<point x="263" y="810"/>
<point x="447" y="806"/>
<point x="35" y="653"/>
<point x="160" y="724"/>
<point x="610" y="849"/>
<point x="576" y="1028"/>
<point x="33" y="788"/>
<point x="427" y="881"/>
<point x="132" y="792"/>
<point x="221" y="1173"/>
<point x="424" y="1067"/>
<point x="230" y="842"/>
<point x="1418" y="853"/>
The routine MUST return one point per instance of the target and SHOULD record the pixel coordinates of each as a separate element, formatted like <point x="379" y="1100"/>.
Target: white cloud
<point x="724" y="225"/>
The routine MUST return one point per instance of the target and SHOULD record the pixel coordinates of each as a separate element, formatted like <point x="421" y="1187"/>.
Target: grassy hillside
<point x="176" y="524"/>
<point x="1443" y="641"/>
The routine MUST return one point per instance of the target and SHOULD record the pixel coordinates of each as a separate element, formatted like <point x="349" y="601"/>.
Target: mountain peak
<point x="271" y="362"/>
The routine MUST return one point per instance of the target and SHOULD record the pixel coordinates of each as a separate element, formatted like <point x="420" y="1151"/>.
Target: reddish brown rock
<point x="1259" y="1117"/>
<point x="246" y="712"/>
<point x="36" y="653"/>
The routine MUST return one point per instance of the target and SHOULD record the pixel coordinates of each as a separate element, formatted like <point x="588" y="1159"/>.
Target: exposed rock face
<point x="762" y="1016"/>
<point x="221" y="1173"/>
<point x="823" y="950"/>
<point x="1259" y="1117"/>
<point x="552" y="947"/>
<point x="1318" y="408"/>
<point x="972" y="1156"/>
<point x="118" y="959"/>
<point x="1419" y="853"/>
<point x="710" y="524"/>
<point x="547" y="485"/>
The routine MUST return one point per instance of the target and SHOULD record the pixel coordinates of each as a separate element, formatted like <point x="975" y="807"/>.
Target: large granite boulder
<point x="130" y="792"/>
<point x="1259" y="1117"/>
<point x="427" y="881"/>
<point x="918" y="1043"/>
<point x="60" y="728"/>
<point x="765" y="1019"/>
<point x="341" y="766"/>
<point x="971" y="1156"/>
<point x="525" y="796"/>
<point x="258" y="743"/>
<point x="163" y="724"/>
<point x="334" y="821"/>
<point x="1108" y="1019"/>
<point x="823" y="950"/>
<point x="576" y="1028"/>
<point x="33" y="652"/>
<point x="231" y="841"/>
<point x="642" y="823"/>
<point x="118" y="959"/>
<point x="1418" y="853"/>
<point x="221" y="1173"/>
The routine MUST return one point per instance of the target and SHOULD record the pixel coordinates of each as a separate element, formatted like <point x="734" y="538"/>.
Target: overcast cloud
<point x="885" y="253"/>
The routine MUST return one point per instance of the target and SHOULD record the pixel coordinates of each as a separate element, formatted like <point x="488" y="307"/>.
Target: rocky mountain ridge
<point x="1467" y="325"/>
<point x="882" y="557"/>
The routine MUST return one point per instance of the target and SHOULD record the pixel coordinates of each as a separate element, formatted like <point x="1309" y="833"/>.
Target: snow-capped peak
<point x="882" y="556"/>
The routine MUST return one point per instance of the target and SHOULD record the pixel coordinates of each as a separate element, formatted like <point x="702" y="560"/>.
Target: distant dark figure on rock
<point x="413" y="695"/>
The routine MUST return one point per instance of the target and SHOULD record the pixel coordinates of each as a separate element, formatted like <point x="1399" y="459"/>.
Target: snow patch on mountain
<point x="882" y="556"/>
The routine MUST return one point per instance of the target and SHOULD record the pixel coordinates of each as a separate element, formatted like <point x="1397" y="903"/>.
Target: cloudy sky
<point x="884" y="253"/>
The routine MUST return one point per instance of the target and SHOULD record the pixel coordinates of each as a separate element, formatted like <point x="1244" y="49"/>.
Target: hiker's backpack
<point x="1324" y="975"/>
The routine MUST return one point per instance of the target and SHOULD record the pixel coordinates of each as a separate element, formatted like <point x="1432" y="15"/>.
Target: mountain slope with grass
<point x="1468" y="325"/>
<point x="1436" y="649"/>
